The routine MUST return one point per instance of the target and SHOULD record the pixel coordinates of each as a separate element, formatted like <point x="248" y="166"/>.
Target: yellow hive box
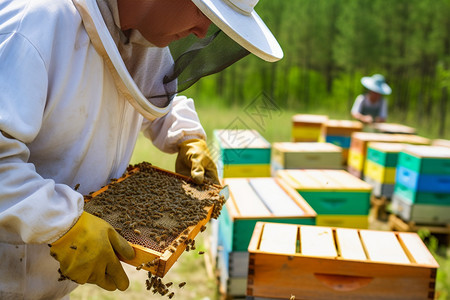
<point x="341" y="127"/>
<point x="347" y="221"/>
<point x="313" y="262"/>
<point x="380" y="173"/>
<point x="307" y="128"/>
<point x="246" y="170"/>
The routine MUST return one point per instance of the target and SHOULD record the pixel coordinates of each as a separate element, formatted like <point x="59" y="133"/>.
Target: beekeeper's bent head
<point x="164" y="21"/>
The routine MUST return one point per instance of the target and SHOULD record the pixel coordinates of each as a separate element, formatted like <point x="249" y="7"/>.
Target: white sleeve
<point x="383" y="112"/>
<point x="356" y="108"/>
<point x="32" y="209"/>
<point x="179" y="124"/>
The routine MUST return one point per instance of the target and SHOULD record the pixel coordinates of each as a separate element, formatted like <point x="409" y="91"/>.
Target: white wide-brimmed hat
<point x="238" y="20"/>
<point x="377" y="84"/>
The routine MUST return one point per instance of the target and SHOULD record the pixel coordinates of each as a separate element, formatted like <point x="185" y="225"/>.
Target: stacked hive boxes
<point x="380" y="167"/>
<point x="307" y="128"/>
<point x="305" y="155"/>
<point x="338" y="198"/>
<point x="422" y="188"/>
<point x="339" y="132"/>
<point x="252" y="200"/>
<point x="311" y="262"/>
<point x="358" y="147"/>
<point x="242" y="153"/>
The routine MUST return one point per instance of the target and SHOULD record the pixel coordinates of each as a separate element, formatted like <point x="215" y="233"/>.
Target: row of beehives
<point x="408" y="171"/>
<point x="422" y="193"/>
<point x="253" y="265"/>
<point x="336" y="197"/>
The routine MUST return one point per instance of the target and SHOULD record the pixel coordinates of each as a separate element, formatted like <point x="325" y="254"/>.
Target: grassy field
<point x="196" y="270"/>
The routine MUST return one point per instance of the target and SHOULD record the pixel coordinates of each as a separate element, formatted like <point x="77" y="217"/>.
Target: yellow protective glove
<point x="194" y="160"/>
<point x="87" y="253"/>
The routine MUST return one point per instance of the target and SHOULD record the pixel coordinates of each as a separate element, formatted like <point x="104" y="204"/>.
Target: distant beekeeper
<point x="371" y="107"/>
<point x="78" y="81"/>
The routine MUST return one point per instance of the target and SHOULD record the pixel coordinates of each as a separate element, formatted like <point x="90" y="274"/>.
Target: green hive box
<point x="242" y="146"/>
<point x="259" y="199"/>
<point x="330" y="192"/>
<point x="426" y="159"/>
<point x="385" y="154"/>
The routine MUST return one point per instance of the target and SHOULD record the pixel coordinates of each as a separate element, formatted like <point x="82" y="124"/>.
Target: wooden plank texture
<point x="279" y="238"/>
<point x="416" y="249"/>
<point x="383" y="246"/>
<point x="274" y="197"/>
<point x="317" y="241"/>
<point x="245" y="198"/>
<point x="349" y="244"/>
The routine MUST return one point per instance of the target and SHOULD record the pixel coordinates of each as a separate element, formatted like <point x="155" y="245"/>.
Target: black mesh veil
<point x="195" y="58"/>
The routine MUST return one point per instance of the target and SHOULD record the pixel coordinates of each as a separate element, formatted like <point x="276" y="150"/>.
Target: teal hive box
<point x="256" y="199"/>
<point x="420" y="213"/>
<point x="414" y="196"/>
<point x="385" y="154"/>
<point x="241" y="146"/>
<point x="330" y="192"/>
<point x="426" y="159"/>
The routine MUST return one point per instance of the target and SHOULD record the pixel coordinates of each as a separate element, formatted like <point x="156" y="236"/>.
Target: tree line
<point x="330" y="44"/>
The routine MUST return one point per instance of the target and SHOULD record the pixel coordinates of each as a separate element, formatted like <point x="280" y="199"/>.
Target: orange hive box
<point x="313" y="262"/>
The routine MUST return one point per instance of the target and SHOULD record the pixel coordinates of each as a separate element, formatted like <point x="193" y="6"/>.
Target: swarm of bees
<point x="153" y="208"/>
<point x="155" y="284"/>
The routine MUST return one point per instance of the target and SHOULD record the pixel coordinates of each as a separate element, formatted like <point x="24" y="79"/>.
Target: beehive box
<point x="333" y="194"/>
<point x="256" y="199"/>
<point x="422" y="188"/>
<point x="252" y="200"/>
<point x="424" y="169"/>
<point x="305" y="155"/>
<point x="339" y="132"/>
<point x="242" y="153"/>
<point x="312" y="262"/>
<point x="393" y="128"/>
<point x="358" y="147"/>
<point x="157" y="211"/>
<point x="307" y="128"/>
<point x="420" y="213"/>
<point x="381" y="166"/>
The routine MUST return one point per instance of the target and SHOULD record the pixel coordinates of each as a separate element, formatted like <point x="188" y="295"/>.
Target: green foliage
<point x="329" y="45"/>
<point x="442" y="256"/>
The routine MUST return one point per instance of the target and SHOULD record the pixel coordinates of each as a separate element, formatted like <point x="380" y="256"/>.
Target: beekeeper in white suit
<point x="78" y="81"/>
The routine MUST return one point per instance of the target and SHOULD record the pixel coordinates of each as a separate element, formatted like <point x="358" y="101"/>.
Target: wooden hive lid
<point x="323" y="180"/>
<point x="379" y="247"/>
<point x="265" y="197"/>
<point x="348" y="124"/>
<point x="441" y="142"/>
<point x="306" y="147"/>
<point x="240" y="138"/>
<point x="387" y="147"/>
<point x="394" y="128"/>
<point x="428" y="151"/>
<point x="307" y="118"/>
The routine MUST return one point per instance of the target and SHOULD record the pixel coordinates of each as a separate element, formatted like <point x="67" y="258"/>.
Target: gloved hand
<point x="87" y="253"/>
<point x="194" y="160"/>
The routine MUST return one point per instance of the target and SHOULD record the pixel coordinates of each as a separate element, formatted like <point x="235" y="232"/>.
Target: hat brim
<point x="368" y="83"/>
<point x="249" y="31"/>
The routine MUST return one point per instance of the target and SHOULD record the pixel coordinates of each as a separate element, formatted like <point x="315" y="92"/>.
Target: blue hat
<point x="376" y="84"/>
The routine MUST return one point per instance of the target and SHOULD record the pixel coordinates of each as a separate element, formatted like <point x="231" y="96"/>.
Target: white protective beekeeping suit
<point x="63" y="122"/>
